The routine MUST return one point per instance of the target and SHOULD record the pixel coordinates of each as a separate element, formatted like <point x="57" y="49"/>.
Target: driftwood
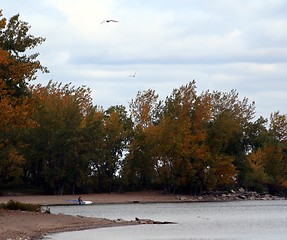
<point x="150" y="221"/>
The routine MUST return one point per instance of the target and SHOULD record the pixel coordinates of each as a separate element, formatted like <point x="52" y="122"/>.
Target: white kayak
<point x="82" y="203"/>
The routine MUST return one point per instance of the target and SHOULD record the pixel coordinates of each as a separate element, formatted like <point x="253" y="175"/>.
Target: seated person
<point x="80" y="201"/>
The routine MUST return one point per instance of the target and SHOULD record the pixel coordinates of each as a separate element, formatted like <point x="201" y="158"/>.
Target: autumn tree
<point x="177" y="138"/>
<point x="184" y="155"/>
<point x="278" y="126"/>
<point x="256" y="134"/>
<point x="56" y="150"/>
<point x="108" y="134"/>
<point x="227" y="130"/>
<point x="139" y="164"/>
<point x="276" y="153"/>
<point x="94" y="132"/>
<point x="17" y="68"/>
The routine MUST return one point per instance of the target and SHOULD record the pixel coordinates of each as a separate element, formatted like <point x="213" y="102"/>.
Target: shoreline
<point x="32" y="225"/>
<point x="16" y="225"/>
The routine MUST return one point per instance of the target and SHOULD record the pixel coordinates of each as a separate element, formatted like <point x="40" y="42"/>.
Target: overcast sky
<point x="222" y="44"/>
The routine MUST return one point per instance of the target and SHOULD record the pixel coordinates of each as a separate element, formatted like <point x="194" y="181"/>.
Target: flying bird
<point x="133" y="75"/>
<point x="110" y="20"/>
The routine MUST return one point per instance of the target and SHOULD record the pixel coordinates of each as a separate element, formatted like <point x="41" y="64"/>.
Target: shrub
<point x="15" y="205"/>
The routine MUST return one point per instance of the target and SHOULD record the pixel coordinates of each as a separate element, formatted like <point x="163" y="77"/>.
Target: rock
<point x="149" y="221"/>
<point x="242" y="197"/>
<point x="181" y="198"/>
<point x="241" y="190"/>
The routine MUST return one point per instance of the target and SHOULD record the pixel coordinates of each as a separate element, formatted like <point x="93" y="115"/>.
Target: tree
<point x="256" y="135"/>
<point x="59" y="157"/>
<point x="118" y="130"/>
<point x="16" y="70"/>
<point x="227" y="130"/>
<point x="276" y="154"/>
<point x="108" y="133"/>
<point x="139" y="164"/>
<point x="177" y="137"/>
<point x="92" y="126"/>
<point x="182" y="152"/>
<point x="268" y="159"/>
<point x="278" y="126"/>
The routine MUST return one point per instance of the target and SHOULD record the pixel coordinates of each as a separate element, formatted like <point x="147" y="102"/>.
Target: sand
<point x="30" y="225"/>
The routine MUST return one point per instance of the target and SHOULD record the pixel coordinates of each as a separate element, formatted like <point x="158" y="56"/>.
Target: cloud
<point x="223" y="45"/>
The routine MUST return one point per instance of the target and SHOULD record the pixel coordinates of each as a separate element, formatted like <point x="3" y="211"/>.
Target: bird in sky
<point x="110" y="20"/>
<point x="133" y="75"/>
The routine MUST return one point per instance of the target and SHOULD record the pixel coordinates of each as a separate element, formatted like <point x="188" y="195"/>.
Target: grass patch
<point x="15" y="205"/>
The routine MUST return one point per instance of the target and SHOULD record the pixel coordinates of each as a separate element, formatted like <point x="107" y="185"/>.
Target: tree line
<point x="55" y="140"/>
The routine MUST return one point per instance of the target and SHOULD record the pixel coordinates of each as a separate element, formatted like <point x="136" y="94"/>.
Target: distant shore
<point x="31" y="225"/>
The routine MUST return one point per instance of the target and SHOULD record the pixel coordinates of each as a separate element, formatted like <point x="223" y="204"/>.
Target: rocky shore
<point x="241" y="194"/>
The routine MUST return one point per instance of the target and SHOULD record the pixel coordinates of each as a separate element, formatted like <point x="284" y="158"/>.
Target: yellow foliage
<point x="2" y="21"/>
<point x="15" y="114"/>
<point x="283" y="183"/>
<point x="256" y="160"/>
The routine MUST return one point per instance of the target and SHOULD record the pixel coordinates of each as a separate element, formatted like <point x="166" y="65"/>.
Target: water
<point x="195" y="221"/>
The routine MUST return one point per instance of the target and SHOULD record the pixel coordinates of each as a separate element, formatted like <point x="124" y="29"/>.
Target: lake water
<point x="250" y="220"/>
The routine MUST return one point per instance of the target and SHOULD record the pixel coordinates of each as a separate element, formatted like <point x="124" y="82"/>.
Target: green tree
<point x="93" y="128"/>
<point x="276" y="153"/>
<point x="278" y="126"/>
<point x="108" y="133"/>
<point x="257" y="136"/>
<point x="268" y="166"/>
<point x="118" y="128"/>
<point x="227" y="130"/>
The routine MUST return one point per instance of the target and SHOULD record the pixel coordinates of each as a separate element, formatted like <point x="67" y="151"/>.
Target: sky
<point x="222" y="44"/>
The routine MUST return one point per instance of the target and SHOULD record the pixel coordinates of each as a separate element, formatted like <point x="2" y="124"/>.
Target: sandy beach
<point x="30" y="225"/>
